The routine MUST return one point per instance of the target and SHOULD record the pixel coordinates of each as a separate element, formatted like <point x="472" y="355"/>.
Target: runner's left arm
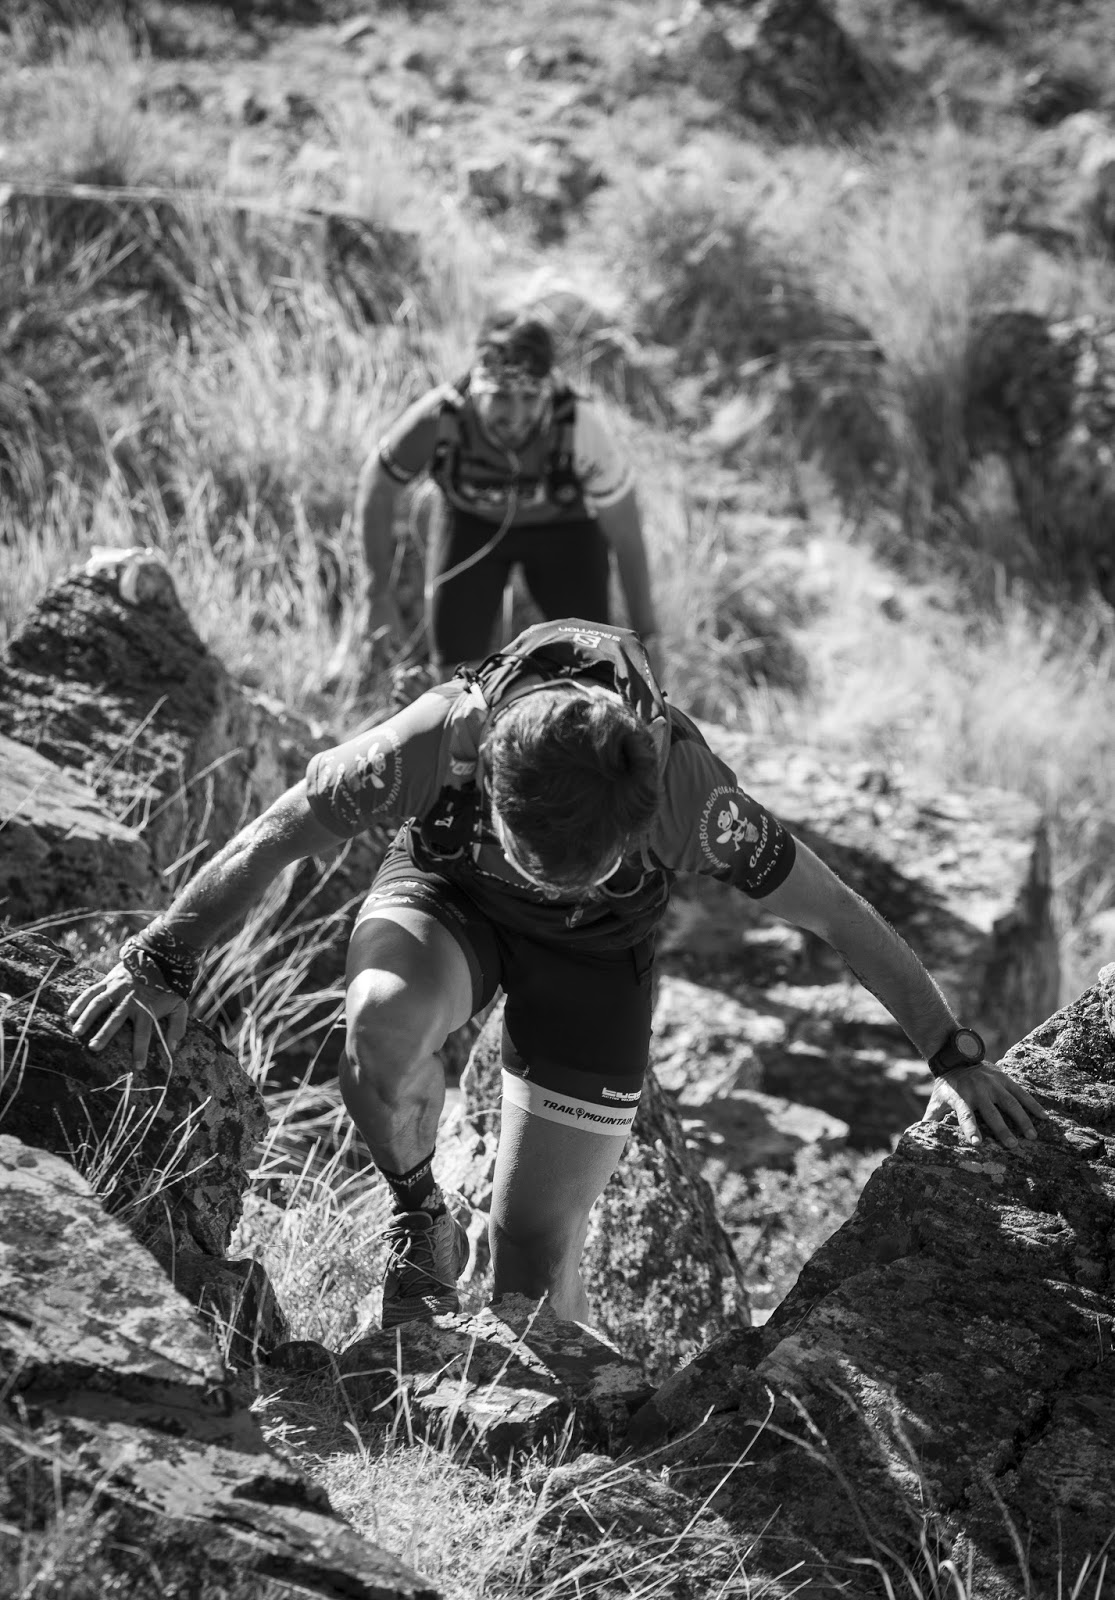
<point x="732" y="837"/>
<point x="609" y="488"/>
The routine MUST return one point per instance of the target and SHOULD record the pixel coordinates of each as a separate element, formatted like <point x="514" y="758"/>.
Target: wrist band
<point x="161" y="960"/>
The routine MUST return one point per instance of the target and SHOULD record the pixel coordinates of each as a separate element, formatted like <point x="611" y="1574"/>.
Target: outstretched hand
<point x="101" y="1010"/>
<point x="984" y="1091"/>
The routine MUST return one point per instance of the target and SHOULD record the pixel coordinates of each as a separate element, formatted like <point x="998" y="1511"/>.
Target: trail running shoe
<point x="426" y="1256"/>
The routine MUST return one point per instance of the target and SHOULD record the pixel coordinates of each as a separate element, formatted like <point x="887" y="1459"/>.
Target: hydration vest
<point x="590" y="652"/>
<point x="475" y="475"/>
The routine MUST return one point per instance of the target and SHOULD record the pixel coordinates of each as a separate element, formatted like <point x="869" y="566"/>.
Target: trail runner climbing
<point x="527" y="474"/>
<point x="547" y="803"/>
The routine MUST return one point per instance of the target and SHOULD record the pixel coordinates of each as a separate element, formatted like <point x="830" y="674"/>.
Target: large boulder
<point x="168" y="1147"/>
<point x="125" y="1450"/>
<point x="936" y="1386"/>
<point x="107" y="679"/>
<point x="655" y="1212"/>
<point x="510" y="1379"/>
<point x="785" y="64"/>
<point x="106" y="676"/>
<point x="59" y="848"/>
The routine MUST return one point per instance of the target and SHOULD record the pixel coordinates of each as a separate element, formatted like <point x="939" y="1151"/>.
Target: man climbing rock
<point x="547" y="801"/>
<point x="527" y="475"/>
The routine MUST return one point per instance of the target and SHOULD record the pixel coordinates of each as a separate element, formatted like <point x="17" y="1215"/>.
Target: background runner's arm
<point x="623" y="529"/>
<point x="376" y="495"/>
<point x="404" y="451"/>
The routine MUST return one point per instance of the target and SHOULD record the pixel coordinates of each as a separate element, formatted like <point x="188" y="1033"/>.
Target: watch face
<point x="969" y="1044"/>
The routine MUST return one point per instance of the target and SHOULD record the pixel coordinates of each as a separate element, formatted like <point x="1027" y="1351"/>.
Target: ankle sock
<point x="416" y="1190"/>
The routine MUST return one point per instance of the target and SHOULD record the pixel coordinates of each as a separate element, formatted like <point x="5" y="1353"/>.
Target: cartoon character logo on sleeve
<point x="726" y="827"/>
<point x="378" y="771"/>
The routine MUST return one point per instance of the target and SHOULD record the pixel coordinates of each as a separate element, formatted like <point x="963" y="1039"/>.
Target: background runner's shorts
<point x="576" y="1031"/>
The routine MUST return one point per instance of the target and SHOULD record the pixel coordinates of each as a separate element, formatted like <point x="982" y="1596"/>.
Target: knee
<point x="385" y="1040"/>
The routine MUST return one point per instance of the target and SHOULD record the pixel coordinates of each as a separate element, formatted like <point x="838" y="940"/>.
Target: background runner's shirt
<point x="398" y="771"/>
<point x="602" y="473"/>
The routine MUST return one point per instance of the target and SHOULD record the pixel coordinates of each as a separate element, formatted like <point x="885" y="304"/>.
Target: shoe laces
<point x="407" y="1247"/>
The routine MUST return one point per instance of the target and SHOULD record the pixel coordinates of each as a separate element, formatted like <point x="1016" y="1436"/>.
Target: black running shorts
<point x="576" y="1027"/>
<point x="565" y="565"/>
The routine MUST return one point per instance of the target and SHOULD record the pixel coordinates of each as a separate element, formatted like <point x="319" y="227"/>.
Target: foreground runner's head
<point x="574" y="783"/>
<point x="510" y="381"/>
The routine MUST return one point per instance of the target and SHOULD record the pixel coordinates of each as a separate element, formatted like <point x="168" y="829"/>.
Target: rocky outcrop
<point x="655" y="1212"/>
<point x="785" y="64"/>
<point x="59" y="849"/>
<point x="167" y="1146"/>
<point x="937" y="1386"/>
<point x="510" y="1379"/>
<point x="107" y="677"/>
<point x="161" y="248"/>
<point x="121" y="1427"/>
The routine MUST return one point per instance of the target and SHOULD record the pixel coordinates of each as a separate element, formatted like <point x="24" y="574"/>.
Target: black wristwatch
<point x="962" y="1048"/>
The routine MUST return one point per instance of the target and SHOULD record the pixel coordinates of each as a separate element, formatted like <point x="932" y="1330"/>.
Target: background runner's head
<point x="574" y="781"/>
<point x="510" y="381"/>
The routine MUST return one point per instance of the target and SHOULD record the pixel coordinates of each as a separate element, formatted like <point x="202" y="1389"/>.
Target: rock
<point x="59" y="848"/>
<point x="510" y="1378"/>
<point x="1061" y="191"/>
<point x="940" y="1366"/>
<point x="548" y="180"/>
<point x="655" y="1213"/>
<point x="1049" y="94"/>
<point x="168" y="1149"/>
<point x="786" y="64"/>
<point x="114" y="1397"/>
<point x="238" y="1301"/>
<point x="123" y="691"/>
<point x="1042" y="396"/>
<point x="107" y="677"/>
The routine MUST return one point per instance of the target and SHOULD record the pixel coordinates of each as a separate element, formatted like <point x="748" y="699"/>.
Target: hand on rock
<point x="101" y="1010"/>
<point x="984" y="1091"/>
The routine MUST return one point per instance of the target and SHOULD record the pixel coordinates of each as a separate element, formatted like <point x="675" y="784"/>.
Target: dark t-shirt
<point x="706" y="824"/>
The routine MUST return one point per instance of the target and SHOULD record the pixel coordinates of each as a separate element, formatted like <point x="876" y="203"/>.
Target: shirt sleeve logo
<point x="378" y="771"/>
<point x="725" y="827"/>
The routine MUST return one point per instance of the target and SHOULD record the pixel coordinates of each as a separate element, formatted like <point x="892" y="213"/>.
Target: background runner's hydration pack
<point x="587" y="651"/>
<point x="472" y="473"/>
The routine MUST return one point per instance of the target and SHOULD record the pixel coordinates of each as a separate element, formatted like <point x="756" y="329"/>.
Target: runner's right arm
<point x="397" y="459"/>
<point x="386" y="773"/>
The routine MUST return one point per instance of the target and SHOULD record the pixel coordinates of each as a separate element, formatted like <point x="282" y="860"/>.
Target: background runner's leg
<point x="546" y="1180"/>
<point x="408" y="986"/>
<point x="567" y="570"/>
<point x="462" y="607"/>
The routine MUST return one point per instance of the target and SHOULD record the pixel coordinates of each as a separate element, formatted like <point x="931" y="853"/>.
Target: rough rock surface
<point x="508" y="1379"/>
<point x="58" y="847"/>
<point x="655" y="1212"/>
<point x="944" y="1362"/>
<point x="116" y="1407"/>
<point x="107" y="676"/>
<point x="787" y="64"/>
<point x="169" y="1149"/>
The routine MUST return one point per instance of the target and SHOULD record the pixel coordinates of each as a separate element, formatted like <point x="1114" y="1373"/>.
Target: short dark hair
<point x="520" y="337"/>
<point x="574" y="778"/>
